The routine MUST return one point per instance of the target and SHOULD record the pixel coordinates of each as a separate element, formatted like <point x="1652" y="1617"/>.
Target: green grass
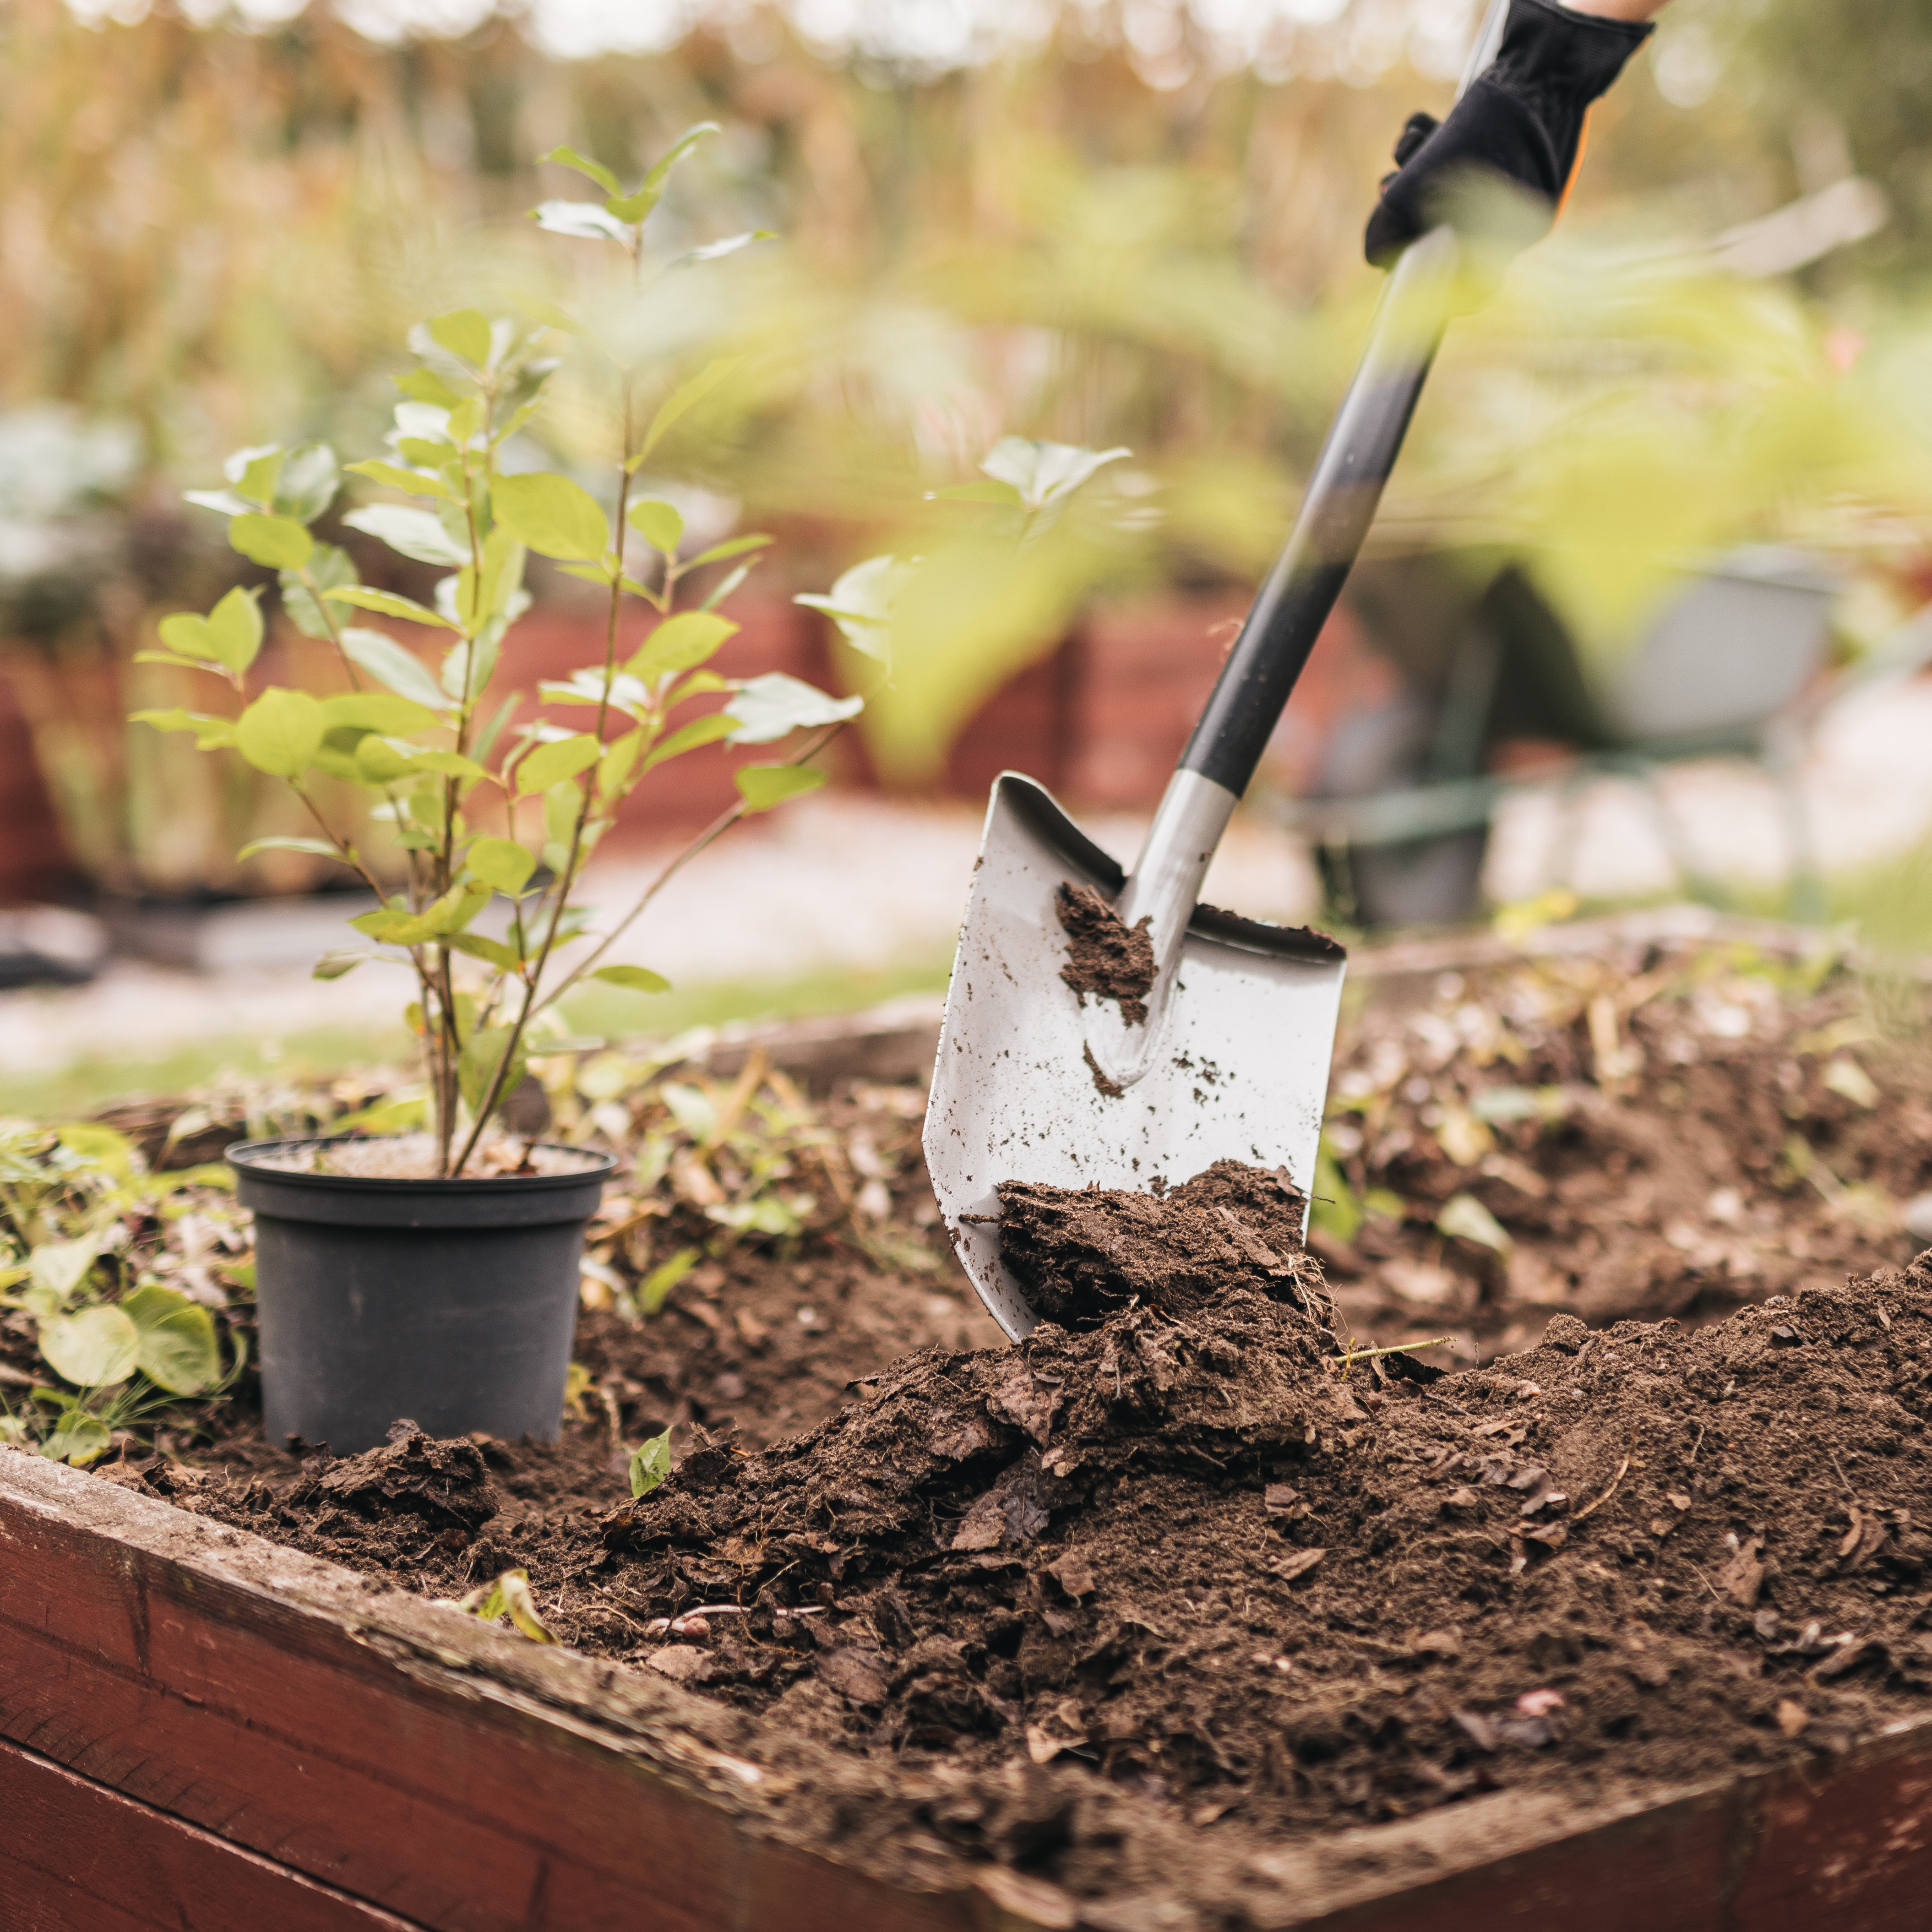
<point x="84" y="1086"/>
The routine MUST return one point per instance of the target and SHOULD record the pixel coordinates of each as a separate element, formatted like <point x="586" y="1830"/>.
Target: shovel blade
<point x="1240" y="1073"/>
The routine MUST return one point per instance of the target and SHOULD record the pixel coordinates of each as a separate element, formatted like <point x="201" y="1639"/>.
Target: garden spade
<point x="1218" y="1045"/>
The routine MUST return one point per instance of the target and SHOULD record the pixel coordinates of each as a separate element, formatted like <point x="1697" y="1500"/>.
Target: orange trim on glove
<point x="1583" y="148"/>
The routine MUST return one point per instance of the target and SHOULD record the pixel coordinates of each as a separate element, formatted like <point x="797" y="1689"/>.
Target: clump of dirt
<point x="1083" y="1254"/>
<point x="441" y="1485"/>
<point x="1195" y="1557"/>
<point x="1105" y="957"/>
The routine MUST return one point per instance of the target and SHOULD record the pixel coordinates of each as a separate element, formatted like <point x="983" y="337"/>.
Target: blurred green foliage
<point x="1124" y="232"/>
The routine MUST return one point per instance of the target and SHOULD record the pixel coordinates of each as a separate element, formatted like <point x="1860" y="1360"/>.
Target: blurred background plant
<point x="1108" y="226"/>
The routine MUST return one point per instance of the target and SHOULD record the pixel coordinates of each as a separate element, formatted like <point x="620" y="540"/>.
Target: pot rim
<point x="236" y="1154"/>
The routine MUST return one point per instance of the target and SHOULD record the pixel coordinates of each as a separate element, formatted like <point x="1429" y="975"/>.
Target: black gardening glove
<point x="1523" y="118"/>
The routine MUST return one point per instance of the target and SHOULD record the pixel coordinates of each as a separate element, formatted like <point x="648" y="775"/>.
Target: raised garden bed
<point x="207" y="1727"/>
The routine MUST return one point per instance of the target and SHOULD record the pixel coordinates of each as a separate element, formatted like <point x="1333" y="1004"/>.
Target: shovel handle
<point x="1342" y="496"/>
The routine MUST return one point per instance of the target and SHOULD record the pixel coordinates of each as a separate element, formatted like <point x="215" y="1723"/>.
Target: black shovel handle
<point x="1343" y="495"/>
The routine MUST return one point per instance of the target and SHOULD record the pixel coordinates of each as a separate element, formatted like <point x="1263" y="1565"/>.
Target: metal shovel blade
<point x="1240" y="1071"/>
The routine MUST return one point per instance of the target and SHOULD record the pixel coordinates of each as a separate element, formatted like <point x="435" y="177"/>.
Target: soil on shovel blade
<point x="1184" y="1556"/>
<point x="1105" y="957"/>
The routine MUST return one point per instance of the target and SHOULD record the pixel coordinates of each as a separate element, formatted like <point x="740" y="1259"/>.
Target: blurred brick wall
<point x="1101" y="721"/>
<point x="34" y="865"/>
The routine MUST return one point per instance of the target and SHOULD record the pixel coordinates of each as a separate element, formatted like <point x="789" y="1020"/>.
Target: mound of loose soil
<point x="1192" y="1557"/>
<point x="1082" y="1254"/>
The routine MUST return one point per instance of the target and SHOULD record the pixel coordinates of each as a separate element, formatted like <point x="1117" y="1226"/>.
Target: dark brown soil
<point x="1083" y="1254"/>
<point x="1194" y="1559"/>
<point x="1105" y="959"/>
<point x="1657" y="1135"/>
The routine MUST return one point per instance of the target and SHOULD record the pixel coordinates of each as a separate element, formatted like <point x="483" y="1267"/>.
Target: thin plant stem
<point x="567" y="877"/>
<point x="715" y="830"/>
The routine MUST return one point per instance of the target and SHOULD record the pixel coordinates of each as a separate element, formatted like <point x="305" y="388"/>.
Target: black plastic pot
<point x="452" y="1303"/>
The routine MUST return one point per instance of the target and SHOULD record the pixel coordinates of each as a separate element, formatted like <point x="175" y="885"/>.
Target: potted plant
<point x="433" y="1274"/>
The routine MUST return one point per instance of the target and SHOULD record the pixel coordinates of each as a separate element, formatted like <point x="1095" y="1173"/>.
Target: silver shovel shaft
<point x="1232" y="1061"/>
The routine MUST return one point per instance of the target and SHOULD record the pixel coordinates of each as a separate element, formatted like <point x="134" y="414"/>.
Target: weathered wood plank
<point x="76" y="1857"/>
<point x="458" y="1777"/>
<point x="289" y="1717"/>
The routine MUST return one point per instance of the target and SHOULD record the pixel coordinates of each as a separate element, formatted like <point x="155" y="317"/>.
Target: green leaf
<point x="459" y="679"/>
<point x="225" y="503"/>
<point x="389" y="604"/>
<point x="234" y="629"/>
<point x="377" y="711"/>
<point x="705" y="730"/>
<point x="762" y="787"/>
<point x="728" y="583"/>
<point x="862" y="602"/>
<point x="395" y="924"/>
<point x="476" y="1069"/>
<point x="464" y="332"/>
<point x="502" y="863"/>
<point x="320" y="847"/>
<point x="176" y="1349"/>
<point x="180" y="663"/>
<point x="1045" y="473"/>
<point x="383" y="658"/>
<point x="550" y="514"/>
<point x="619" y="761"/>
<point x="656" y="1285"/>
<point x="334" y="965"/>
<point x="97" y="1346"/>
<point x="255" y="471"/>
<point x="569" y="158"/>
<point x="328" y="568"/>
<point x="683" y="399"/>
<point x="504" y="958"/>
<point x="280" y="732"/>
<point x="59" y="1268"/>
<point x="78" y="1438"/>
<point x="1464" y="1216"/>
<point x="586" y="220"/>
<point x="509" y="1596"/>
<point x="398" y="1116"/>
<point x="101" y="1146"/>
<point x="650" y="192"/>
<point x="280" y="542"/>
<point x="651" y="1464"/>
<point x="679" y="643"/>
<point x="211" y="734"/>
<point x="394" y="477"/>
<point x="635" y="978"/>
<point x="732" y="547"/>
<point x="502" y="574"/>
<point x="660" y="524"/>
<point x="380" y="762"/>
<point x="310" y="479"/>
<point x="550" y="764"/>
<point x="410" y="532"/>
<point x="230" y="635"/>
<point x="425" y="386"/>
<point x="767" y="708"/>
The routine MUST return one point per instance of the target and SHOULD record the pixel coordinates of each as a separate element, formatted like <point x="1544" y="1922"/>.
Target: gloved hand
<point x="1523" y="118"/>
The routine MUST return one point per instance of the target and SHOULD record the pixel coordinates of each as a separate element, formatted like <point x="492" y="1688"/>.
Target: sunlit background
<point x="1640" y="620"/>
